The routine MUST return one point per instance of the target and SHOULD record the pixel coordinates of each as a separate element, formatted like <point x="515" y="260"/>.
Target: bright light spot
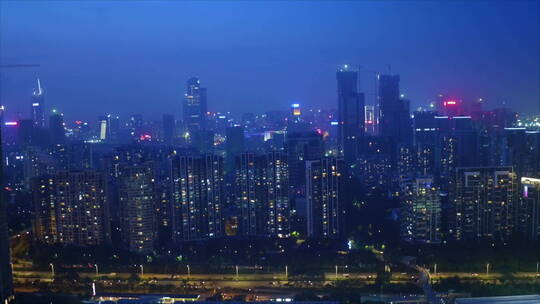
<point x="145" y="137"/>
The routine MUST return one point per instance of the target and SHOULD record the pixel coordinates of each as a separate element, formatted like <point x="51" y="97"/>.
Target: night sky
<point x="135" y="57"/>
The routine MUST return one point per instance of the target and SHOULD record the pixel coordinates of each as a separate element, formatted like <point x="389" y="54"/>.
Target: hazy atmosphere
<point x="99" y="57"/>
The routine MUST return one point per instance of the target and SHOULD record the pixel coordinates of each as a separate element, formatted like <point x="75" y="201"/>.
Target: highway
<point x="275" y="278"/>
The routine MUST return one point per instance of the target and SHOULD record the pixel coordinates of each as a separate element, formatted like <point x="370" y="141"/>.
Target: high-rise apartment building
<point x="325" y="212"/>
<point x="484" y="202"/>
<point x="136" y="206"/>
<point x="262" y="193"/>
<point x="71" y="207"/>
<point x="197" y="196"/>
<point x="528" y="221"/>
<point x="420" y="212"/>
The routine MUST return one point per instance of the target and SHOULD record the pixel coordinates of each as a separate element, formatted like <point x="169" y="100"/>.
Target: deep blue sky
<point x="118" y="57"/>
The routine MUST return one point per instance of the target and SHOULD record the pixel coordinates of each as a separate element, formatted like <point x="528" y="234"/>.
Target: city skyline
<point x="302" y="152"/>
<point x="79" y="74"/>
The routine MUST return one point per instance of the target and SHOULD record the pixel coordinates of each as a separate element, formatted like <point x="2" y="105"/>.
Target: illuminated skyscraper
<point x="420" y="212"/>
<point x="450" y="107"/>
<point x="296" y="112"/>
<point x="370" y="120"/>
<point x="195" y="106"/>
<point x="38" y="106"/>
<point x="350" y="114"/>
<point x="136" y="200"/>
<point x="71" y="207"/>
<point x="114" y="127"/>
<point x="485" y="202"/>
<point x="103" y="127"/>
<point x="325" y="212"/>
<point x="197" y="196"/>
<point x="109" y="127"/>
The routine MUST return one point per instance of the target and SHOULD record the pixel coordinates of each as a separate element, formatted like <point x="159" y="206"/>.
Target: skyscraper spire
<point x="38" y="106"/>
<point x="40" y="91"/>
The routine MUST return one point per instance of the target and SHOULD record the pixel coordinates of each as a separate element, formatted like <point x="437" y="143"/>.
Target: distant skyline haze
<point x="117" y="57"/>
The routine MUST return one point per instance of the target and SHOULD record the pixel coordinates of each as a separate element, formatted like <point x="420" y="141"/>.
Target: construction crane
<point x="19" y="65"/>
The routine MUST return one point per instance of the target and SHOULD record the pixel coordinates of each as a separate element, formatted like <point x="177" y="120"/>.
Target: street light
<point x="435" y="269"/>
<point x="287" y="273"/>
<point x="97" y="269"/>
<point x="487" y="268"/>
<point x="336" y="272"/>
<point x="52" y="270"/>
<point x="188" y="272"/>
<point x="142" y="270"/>
<point x="237" y="272"/>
